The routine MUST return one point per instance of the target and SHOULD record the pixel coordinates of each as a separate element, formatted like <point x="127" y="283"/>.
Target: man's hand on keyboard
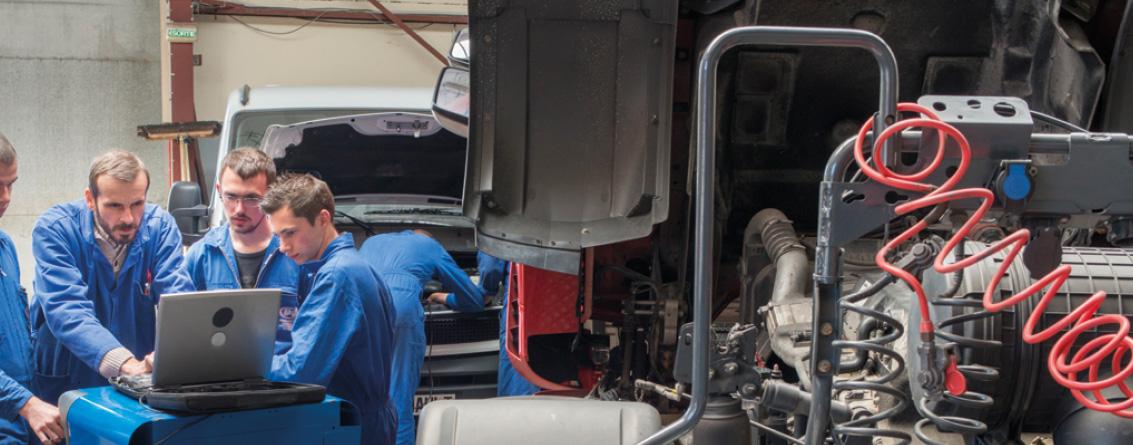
<point x="134" y="366"/>
<point x="149" y="361"/>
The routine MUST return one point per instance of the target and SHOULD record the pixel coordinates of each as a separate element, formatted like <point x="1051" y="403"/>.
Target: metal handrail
<point x="705" y="181"/>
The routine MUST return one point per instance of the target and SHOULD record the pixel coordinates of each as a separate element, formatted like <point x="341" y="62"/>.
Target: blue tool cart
<point x="105" y="416"/>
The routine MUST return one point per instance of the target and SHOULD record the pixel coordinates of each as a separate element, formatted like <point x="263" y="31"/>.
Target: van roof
<point x="329" y="97"/>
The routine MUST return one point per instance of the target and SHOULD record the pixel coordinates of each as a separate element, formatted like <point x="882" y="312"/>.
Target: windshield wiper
<point x="422" y="211"/>
<point x="365" y="227"/>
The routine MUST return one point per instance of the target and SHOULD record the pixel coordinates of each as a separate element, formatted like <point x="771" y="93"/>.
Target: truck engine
<point x="788" y="222"/>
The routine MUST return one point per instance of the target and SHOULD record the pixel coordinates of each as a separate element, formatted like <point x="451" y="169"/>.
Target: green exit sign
<point x="181" y="33"/>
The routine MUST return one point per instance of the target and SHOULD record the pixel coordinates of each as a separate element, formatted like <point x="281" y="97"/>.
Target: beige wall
<point x="234" y="54"/>
<point x="309" y="53"/>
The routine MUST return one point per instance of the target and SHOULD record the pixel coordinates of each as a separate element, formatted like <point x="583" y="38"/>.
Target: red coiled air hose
<point x="1065" y="371"/>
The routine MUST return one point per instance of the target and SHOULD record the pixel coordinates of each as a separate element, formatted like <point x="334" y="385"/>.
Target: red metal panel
<point x="541" y="302"/>
<point x="547" y="302"/>
<point x="181" y="66"/>
<point x="181" y="83"/>
<point x="518" y="320"/>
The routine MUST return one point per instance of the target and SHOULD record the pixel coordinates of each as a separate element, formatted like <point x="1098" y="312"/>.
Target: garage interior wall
<point x="260" y="51"/>
<point x="76" y="78"/>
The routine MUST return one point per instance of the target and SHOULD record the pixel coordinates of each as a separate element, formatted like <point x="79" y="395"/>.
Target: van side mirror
<point x="451" y="100"/>
<point x="186" y="207"/>
<point x="461" y="52"/>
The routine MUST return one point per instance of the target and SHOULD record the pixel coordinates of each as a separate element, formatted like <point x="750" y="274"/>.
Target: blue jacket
<point x="424" y="258"/>
<point x="493" y="281"/>
<point x="212" y="265"/>
<point x="493" y="272"/>
<point x="343" y="336"/>
<point x="406" y="261"/>
<point x="15" y="335"/>
<point x="80" y="310"/>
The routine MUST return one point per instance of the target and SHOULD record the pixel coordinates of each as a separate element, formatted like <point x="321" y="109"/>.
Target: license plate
<point x="420" y="400"/>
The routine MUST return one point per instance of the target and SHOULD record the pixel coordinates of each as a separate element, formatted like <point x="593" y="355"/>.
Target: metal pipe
<point x="785" y="250"/>
<point x="828" y="262"/>
<point x="791" y="268"/>
<point x="840" y="161"/>
<point x="787" y="398"/>
<point x="705" y="181"/>
<point x="824" y="358"/>
<point x="775" y="432"/>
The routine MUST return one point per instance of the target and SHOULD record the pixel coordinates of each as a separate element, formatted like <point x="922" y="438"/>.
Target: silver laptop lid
<point x="215" y="336"/>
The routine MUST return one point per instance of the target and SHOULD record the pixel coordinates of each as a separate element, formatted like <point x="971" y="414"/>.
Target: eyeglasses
<point x="249" y="201"/>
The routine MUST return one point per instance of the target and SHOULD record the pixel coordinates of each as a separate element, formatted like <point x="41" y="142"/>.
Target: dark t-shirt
<point x="249" y="267"/>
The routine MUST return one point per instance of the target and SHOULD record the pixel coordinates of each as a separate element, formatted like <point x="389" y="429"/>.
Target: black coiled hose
<point x="866" y="426"/>
<point x="946" y="330"/>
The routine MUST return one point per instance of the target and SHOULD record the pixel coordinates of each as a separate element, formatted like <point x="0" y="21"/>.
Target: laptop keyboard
<point x="135" y="382"/>
<point x="144" y="382"/>
<point x="252" y="385"/>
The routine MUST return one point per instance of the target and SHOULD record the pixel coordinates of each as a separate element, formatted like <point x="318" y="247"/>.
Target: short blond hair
<point x="121" y="165"/>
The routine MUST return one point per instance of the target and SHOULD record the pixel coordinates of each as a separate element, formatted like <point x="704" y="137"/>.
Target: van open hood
<point x="379" y="166"/>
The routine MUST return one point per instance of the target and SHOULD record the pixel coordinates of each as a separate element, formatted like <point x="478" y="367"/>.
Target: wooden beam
<point x="207" y="7"/>
<point x="413" y="34"/>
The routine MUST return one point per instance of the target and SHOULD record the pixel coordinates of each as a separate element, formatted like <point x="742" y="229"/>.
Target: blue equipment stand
<point x="105" y="416"/>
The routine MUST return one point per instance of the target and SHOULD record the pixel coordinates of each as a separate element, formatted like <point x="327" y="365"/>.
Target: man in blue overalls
<point x="343" y="334"/>
<point x="16" y="400"/>
<point x="243" y="253"/>
<point x="493" y="281"/>
<point x="101" y="264"/>
<point x="406" y="261"/>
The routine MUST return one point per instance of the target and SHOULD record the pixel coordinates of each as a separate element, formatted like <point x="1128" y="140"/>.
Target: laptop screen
<point x="215" y="336"/>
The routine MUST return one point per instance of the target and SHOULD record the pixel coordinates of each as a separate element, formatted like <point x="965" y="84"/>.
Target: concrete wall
<point x="75" y="79"/>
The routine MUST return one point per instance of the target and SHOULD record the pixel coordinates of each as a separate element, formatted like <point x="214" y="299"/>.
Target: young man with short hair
<point x="342" y="337"/>
<point x="406" y="261"/>
<point x="243" y="253"/>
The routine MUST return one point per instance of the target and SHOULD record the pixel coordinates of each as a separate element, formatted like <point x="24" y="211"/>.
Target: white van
<point x="391" y="167"/>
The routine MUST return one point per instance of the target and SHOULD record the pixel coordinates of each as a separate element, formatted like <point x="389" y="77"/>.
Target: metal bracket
<point x="861" y="208"/>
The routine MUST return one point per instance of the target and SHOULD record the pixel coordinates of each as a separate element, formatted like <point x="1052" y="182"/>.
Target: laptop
<point x="213" y="351"/>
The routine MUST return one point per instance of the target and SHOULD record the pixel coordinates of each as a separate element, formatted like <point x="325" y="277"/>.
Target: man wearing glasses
<point x="243" y="253"/>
